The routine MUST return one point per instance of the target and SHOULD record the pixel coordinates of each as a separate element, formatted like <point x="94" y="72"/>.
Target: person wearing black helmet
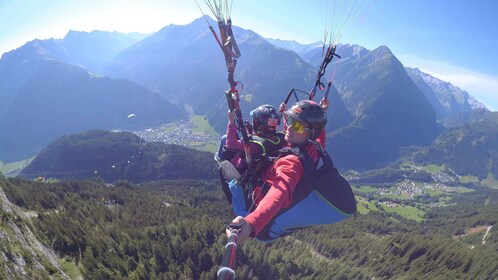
<point x="265" y="141"/>
<point x="265" y="120"/>
<point x="296" y="193"/>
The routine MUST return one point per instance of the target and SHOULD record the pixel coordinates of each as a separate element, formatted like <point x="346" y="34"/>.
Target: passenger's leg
<point x="229" y="171"/>
<point x="218" y="156"/>
<point x="224" y="187"/>
<point x="238" y="198"/>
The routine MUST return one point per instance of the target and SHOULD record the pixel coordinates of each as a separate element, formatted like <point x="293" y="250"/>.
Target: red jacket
<point x="282" y="176"/>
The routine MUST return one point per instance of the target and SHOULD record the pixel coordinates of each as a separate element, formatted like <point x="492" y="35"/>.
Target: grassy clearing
<point x="201" y="125"/>
<point x="403" y="196"/>
<point x="468" y="179"/>
<point x="70" y="268"/>
<point x="360" y="206"/>
<point x="490" y="181"/>
<point x="464" y="190"/>
<point x="365" y="206"/>
<point x="364" y="189"/>
<point x="202" y="128"/>
<point x="203" y="146"/>
<point x="408" y="212"/>
<point x="432" y="168"/>
<point x="432" y="192"/>
<point x="169" y="128"/>
<point x="14" y="168"/>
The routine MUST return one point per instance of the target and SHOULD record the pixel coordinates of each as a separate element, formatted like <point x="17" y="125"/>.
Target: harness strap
<point x="268" y="143"/>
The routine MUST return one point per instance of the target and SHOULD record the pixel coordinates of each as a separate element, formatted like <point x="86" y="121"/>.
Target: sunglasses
<point x="295" y="125"/>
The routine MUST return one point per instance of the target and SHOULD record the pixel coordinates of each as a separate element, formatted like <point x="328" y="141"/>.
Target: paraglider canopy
<point x="131" y="116"/>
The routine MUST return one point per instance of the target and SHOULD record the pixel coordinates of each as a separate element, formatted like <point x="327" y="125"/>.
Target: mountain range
<point x="377" y="105"/>
<point x="390" y="111"/>
<point x="184" y="64"/>
<point x="266" y="68"/>
<point x="446" y="99"/>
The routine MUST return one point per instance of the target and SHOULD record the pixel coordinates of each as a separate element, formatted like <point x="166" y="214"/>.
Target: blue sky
<point x="454" y="40"/>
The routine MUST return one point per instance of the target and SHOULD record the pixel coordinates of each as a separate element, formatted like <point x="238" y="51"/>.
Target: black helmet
<point x="265" y="119"/>
<point x="310" y="114"/>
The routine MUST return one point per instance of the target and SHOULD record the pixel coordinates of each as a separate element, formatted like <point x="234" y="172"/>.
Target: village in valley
<point x="180" y="133"/>
<point x="194" y="132"/>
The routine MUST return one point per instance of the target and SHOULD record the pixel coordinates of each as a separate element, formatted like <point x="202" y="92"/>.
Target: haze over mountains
<point x="377" y="105"/>
<point x="45" y="94"/>
<point x="63" y="99"/>
<point x="89" y="50"/>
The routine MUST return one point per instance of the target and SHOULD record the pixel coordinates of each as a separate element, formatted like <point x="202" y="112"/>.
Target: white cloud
<point x="483" y="87"/>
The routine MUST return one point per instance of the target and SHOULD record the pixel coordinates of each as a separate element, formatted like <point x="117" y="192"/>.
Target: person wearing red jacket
<point x="305" y="134"/>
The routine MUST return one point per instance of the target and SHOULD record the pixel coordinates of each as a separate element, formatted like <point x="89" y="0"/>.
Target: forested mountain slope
<point x="471" y="149"/>
<point x="174" y="229"/>
<point x="119" y="156"/>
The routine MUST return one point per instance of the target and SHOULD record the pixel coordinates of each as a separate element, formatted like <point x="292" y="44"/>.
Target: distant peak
<point x="440" y="86"/>
<point x="202" y="21"/>
<point x="383" y="50"/>
<point x="413" y="70"/>
<point x="380" y="53"/>
<point x="74" y="33"/>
